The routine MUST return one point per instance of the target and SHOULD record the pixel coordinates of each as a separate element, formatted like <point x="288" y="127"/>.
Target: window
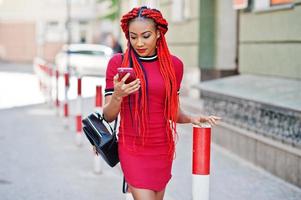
<point x="270" y="5"/>
<point x="53" y="31"/>
<point x="277" y="2"/>
<point x="240" y="4"/>
<point x="180" y="10"/>
<point x="261" y="4"/>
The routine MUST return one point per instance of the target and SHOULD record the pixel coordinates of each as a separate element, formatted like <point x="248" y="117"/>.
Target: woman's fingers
<point x="125" y="77"/>
<point x="133" y="83"/>
<point x="216" y="118"/>
<point x="124" y="89"/>
<point x="115" y="79"/>
<point x="132" y="87"/>
<point x="213" y="120"/>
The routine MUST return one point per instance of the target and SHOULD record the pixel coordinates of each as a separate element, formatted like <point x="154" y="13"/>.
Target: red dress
<point x="147" y="165"/>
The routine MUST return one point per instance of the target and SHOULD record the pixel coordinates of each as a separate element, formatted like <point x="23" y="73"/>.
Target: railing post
<point x="66" y="102"/>
<point x="78" y="117"/>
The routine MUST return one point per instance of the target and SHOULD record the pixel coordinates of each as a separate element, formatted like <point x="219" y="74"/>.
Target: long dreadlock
<point x="166" y="69"/>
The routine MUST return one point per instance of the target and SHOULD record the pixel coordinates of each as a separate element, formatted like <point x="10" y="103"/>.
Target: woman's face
<point x="143" y="36"/>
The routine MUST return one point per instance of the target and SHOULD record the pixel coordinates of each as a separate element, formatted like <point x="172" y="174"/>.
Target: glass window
<point x="53" y="31"/>
<point x="240" y="4"/>
<point x="261" y="4"/>
<point x="180" y="10"/>
<point x="177" y="10"/>
<point x="277" y="2"/>
<point x="270" y="5"/>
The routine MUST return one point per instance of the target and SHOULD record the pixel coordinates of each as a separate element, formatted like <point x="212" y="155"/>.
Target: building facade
<point x="261" y="106"/>
<point x="38" y="28"/>
<point x="243" y="56"/>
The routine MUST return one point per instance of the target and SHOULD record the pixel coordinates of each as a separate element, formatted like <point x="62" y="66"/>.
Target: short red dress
<point x="145" y="165"/>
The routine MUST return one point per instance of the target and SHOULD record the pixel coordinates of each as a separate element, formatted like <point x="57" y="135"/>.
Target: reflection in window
<point x="276" y="2"/>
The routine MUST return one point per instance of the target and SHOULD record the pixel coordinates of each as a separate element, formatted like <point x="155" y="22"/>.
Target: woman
<point x="148" y="106"/>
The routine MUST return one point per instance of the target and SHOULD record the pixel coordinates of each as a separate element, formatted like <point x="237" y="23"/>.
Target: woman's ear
<point x="158" y="34"/>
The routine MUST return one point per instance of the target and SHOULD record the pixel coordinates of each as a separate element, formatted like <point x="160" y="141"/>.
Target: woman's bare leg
<point x="142" y="194"/>
<point x="160" y="195"/>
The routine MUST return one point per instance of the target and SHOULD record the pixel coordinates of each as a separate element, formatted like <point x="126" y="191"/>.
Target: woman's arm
<point x="196" y="120"/>
<point x="111" y="107"/>
<point x="183" y="118"/>
<point x="113" y="102"/>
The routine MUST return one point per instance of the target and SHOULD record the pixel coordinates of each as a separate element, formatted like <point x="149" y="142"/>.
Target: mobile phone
<point x="122" y="71"/>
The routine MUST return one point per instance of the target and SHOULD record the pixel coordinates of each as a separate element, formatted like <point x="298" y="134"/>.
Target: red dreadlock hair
<point x="166" y="69"/>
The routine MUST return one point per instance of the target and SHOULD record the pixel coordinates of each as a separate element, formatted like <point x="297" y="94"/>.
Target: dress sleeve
<point x="178" y="65"/>
<point x="113" y="64"/>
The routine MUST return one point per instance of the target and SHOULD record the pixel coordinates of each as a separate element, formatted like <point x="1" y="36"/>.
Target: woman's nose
<point x="139" y="43"/>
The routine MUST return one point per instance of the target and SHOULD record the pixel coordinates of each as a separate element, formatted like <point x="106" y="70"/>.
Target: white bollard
<point x="201" y="162"/>
<point x="98" y="162"/>
<point x="49" y="72"/>
<point x="78" y="117"/>
<point x="57" y="101"/>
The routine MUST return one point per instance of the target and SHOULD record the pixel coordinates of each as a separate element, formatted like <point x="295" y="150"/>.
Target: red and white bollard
<point x="47" y="68"/>
<point x="78" y="117"/>
<point x="57" y="101"/>
<point x="66" y="105"/>
<point x="98" y="163"/>
<point x="201" y="162"/>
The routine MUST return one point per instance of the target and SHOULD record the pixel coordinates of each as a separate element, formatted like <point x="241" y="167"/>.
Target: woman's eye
<point x="146" y="36"/>
<point x="133" y="38"/>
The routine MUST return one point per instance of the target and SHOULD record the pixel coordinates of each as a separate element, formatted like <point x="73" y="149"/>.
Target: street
<point x="39" y="158"/>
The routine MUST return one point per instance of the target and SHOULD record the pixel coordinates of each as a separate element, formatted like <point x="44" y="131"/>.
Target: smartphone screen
<point x="122" y="71"/>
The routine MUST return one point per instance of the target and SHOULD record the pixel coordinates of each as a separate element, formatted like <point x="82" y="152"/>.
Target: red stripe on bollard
<point x="57" y="74"/>
<point x="49" y="71"/>
<point x="201" y="150"/>
<point x="98" y="164"/>
<point x="66" y="110"/>
<point x="79" y="124"/>
<point x="57" y="102"/>
<point x="98" y="102"/>
<point x="66" y="75"/>
<point x="79" y="86"/>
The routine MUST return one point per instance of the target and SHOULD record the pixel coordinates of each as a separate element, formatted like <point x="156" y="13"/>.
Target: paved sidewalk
<point x="231" y="178"/>
<point x="39" y="160"/>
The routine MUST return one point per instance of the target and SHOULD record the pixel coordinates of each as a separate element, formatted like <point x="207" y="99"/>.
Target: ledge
<point x="267" y="106"/>
<point x="284" y="93"/>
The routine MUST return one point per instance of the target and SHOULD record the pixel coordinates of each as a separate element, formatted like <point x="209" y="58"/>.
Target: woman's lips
<point x="141" y="50"/>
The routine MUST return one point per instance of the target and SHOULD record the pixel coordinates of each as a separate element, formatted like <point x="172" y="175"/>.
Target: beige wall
<point x="270" y="43"/>
<point x="50" y="49"/>
<point x="17" y="41"/>
<point x="25" y="30"/>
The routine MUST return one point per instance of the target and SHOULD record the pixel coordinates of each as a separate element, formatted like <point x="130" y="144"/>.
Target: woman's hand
<point x="212" y="120"/>
<point x="121" y="89"/>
